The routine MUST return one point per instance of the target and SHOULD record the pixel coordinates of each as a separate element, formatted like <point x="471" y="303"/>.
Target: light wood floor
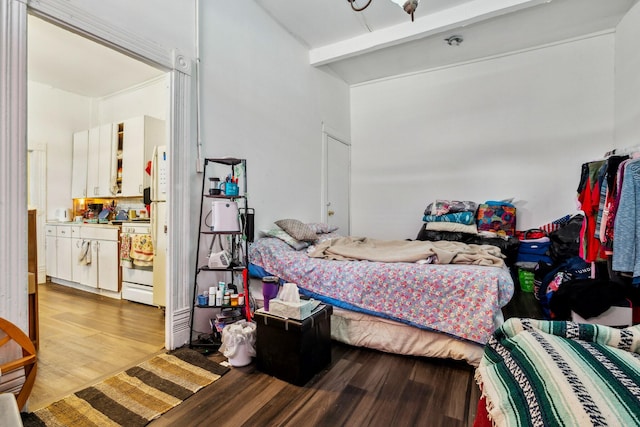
<point x="86" y="337"/>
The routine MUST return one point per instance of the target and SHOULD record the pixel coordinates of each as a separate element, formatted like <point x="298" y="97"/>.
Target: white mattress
<point x="363" y="330"/>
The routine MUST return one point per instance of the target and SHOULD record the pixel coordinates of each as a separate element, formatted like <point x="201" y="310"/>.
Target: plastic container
<point x="526" y="280"/>
<point x="270" y="288"/>
<point x="238" y="343"/>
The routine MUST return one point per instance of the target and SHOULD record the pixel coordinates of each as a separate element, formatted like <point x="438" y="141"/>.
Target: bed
<point x="537" y="373"/>
<point x="433" y="310"/>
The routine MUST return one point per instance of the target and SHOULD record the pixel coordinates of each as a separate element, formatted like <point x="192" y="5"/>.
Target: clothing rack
<point x="622" y="151"/>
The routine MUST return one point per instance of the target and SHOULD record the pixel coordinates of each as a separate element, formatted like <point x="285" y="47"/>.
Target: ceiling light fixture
<point x="454" y="40"/>
<point x="409" y="6"/>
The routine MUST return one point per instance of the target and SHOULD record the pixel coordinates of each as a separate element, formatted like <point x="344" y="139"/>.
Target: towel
<point x="125" y="249"/>
<point x="142" y="250"/>
<point x="84" y="257"/>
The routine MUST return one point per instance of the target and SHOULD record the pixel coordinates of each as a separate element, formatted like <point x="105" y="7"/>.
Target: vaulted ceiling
<point x="382" y="40"/>
<point x="378" y="42"/>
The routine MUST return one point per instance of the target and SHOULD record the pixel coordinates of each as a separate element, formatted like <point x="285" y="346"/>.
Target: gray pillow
<point x="297" y="229"/>
<point x="321" y="227"/>
<point x="285" y="237"/>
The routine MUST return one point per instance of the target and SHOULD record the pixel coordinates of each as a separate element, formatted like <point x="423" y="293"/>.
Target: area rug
<point x="134" y="397"/>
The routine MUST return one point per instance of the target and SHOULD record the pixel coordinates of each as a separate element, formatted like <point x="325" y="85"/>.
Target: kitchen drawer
<point x="99" y="233"/>
<point x="75" y="231"/>
<point x="50" y="230"/>
<point x="63" y="231"/>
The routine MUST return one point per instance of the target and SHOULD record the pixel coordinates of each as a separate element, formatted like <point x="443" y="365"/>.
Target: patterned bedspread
<point x="463" y="301"/>
<point x="553" y="373"/>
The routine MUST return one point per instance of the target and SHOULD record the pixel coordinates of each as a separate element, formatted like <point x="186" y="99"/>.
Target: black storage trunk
<point x="292" y="350"/>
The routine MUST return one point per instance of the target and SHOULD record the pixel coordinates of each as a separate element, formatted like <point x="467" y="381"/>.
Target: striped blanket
<point x="556" y="373"/>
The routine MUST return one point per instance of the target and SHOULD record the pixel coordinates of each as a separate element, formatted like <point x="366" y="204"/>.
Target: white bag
<point x="220" y="259"/>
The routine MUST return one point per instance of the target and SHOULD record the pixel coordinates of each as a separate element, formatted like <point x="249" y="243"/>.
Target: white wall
<point x="262" y="101"/>
<point x="53" y="116"/>
<point x="150" y="99"/>
<point x="168" y="23"/>
<point x="514" y="126"/>
<point x="627" y="93"/>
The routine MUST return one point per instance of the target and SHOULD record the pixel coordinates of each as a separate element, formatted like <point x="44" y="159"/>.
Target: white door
<point x="37" y="192"/>
<point x="51" y="251"/>
<point x="107" y="156"/>
<point x="159" y="233"/>
<point x="337" y="184"/>
<point x="108" y="265"/>
<point x="63" y="257"/>
<point x="83" y="273"/>
<point x="133" y="157"/>
<point x="79" y="164"/>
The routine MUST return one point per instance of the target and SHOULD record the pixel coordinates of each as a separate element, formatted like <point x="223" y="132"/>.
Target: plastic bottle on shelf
<point x="212" y="296"/>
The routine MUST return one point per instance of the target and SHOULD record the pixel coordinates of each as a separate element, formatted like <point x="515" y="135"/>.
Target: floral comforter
<point x="463" y="301"/>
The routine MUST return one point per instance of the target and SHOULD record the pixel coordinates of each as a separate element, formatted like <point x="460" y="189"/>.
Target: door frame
<point x="13" y="144"/>
<point x="328" y="132"/>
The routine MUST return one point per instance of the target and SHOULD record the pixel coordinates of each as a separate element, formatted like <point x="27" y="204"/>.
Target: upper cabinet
<point x="111" y="160"/>
<point x="138" y="137"/>
<point x="80" y="156"/>
<point x="101" y="162"/>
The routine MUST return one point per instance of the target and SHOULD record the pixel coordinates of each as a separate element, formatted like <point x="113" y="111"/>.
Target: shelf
<point x="230" y="268"/>
<point x="235" y="242"/>
<point x="212" y="345"/>
<point x="221" y="232"/>
<point x="230" y="161"/>
<point x="223" y="196"/>
<point x="220" y="306"/>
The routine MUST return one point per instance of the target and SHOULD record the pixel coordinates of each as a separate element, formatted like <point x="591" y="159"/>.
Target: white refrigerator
<point x="159" y="176"/>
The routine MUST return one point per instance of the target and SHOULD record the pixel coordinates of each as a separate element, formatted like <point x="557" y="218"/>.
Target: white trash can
<point x="238" y="343"/>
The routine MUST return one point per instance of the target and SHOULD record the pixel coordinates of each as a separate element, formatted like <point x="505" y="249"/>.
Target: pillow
<point x="285" y="237"/>
<point x="297" y="229"/>
<point x="321" y="228"/>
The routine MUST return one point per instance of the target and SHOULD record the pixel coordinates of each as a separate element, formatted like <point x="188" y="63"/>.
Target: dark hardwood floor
<point x="361" y="387"/>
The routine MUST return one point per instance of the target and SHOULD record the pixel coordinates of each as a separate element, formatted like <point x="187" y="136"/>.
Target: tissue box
<point x="292" y="350"/>
<point x="292" y="310"/>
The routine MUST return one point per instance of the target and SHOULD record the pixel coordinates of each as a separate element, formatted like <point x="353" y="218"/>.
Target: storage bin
<point x="292" y="350"/>
<point x="526" y="280"/>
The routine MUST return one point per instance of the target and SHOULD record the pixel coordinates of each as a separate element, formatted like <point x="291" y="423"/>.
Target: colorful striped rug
<point x="133" y="397"/>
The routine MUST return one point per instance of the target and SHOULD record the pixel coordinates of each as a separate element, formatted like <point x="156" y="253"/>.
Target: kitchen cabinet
<point x="66" y="243"/>
<point x="50" y="251"/>
<point x="139" y="136"/>
<point x="104" y="255"/>
<point x="82" y="272"/>
<point x="79" y="164"/>
<point x="101" y="161"/>
<point x="58" y="251"/>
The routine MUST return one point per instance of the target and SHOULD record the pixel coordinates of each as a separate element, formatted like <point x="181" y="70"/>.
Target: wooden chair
<point x="28" y="362"/>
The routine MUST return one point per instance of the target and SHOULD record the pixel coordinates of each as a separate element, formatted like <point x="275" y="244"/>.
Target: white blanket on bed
<point x="364" y="248"/>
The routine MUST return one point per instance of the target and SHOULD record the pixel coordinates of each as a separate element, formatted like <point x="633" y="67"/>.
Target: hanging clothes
<point x="615" y="170"/>
<point x="589" y="198"/>
<point x="626" y="242"/>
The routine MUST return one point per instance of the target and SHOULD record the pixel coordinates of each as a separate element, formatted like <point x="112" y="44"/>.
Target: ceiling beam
<point x="428" y="25"/>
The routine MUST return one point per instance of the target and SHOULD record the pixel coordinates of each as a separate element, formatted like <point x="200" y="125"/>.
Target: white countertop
<point x="83" y="224"/>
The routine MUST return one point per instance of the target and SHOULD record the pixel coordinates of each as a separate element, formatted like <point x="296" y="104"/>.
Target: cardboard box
<point x="291" y="350"/>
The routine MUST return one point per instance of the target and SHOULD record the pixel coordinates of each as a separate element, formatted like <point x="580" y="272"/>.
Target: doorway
<point x="337" y="182"/>
<point x="73" y="86"/>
